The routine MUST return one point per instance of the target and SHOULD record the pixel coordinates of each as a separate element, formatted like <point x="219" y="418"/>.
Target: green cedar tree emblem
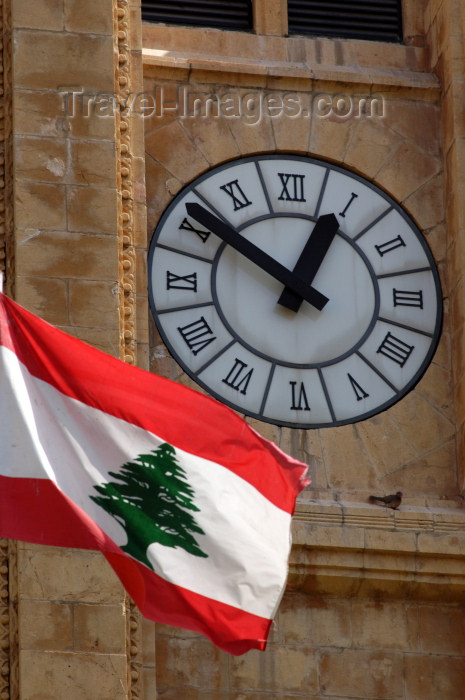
<point x="151" y="499"/>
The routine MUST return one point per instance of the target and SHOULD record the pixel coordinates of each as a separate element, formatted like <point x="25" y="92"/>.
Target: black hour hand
<point x="311" y="258"/>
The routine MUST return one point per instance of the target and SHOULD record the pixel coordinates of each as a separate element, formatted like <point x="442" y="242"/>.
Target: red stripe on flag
<point x="182" y="417"/>
<point x="35" y="510"/>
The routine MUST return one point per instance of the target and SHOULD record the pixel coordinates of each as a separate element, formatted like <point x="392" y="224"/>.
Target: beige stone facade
<point x="375" y="605"/>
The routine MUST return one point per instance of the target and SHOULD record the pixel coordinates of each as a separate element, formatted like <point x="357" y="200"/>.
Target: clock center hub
<point x="248" y="296"/>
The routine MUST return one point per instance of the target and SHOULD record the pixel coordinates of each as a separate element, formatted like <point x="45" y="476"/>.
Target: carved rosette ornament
<point x="127" y="273"/>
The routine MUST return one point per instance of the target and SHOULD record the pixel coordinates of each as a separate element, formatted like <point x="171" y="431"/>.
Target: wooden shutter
<point x="359" y="19"/>
<point x="232" y="14"/>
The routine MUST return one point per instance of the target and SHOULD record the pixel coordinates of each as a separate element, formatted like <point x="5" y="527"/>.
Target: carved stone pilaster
<point x="125" y="175"/>
<point x="134" y="650"/>
<point x="127" y="272"/>
<point x="4" y="624"/>
<point x="2" y="145"/>
<point x="9" y="669"/>
<point x="6" y="179"/>
<point x="13" y="627"/>
<point x="8" y="621"/>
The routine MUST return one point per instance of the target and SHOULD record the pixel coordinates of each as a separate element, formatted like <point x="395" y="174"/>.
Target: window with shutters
<point x="380" y="20"/>
<point x="233" y="14"/>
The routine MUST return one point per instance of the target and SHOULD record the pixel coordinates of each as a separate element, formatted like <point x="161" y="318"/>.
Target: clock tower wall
<point x="372" y="108"/>
<point x="356" y="599"/>
<point x="444" y="32"/>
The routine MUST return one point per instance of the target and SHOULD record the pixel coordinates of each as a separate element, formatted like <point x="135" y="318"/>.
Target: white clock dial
<point x="294" y="291"/>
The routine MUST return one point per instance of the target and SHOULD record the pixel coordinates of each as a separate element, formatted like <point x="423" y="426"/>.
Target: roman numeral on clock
<point x="397" y="242"/>
<point x="299" y="397"/>
<point x="238" y="377"/>
<point x="197" y="335"/>
<point x="343" y="212"/>
<point x="294" y="183"/>
<point x="187" y="226"/>
<point x="360" y="392"/>
<point x="405" y="298"/>
<point x="188" y="282"/>
<point x="395" y="349"/>
<point x="237" y="194"/>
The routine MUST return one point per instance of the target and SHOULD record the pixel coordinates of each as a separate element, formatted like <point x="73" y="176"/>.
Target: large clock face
<point x="294" y="291"/>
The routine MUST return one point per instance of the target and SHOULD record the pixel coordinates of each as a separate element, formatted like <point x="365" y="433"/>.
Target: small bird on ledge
<point x="392" y="501"/>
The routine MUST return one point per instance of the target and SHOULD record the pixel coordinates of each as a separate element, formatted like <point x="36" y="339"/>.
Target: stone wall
<point x="445" y="26"/>
<point x="390" y="132"/>
<point x="373" y="596"/>
<point x="333" y="647"/>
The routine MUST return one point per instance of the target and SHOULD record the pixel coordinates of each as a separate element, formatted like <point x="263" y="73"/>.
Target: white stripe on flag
<point x="53" y="436"/>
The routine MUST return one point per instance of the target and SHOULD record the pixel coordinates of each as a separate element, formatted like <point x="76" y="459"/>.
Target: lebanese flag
<point x="191" y="507"/>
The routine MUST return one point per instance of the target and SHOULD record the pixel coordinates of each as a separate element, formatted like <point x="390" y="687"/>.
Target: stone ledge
<point x="210" y="69"/>
<point x="407" y="517"/>
<point x="357" y="550"/>
<point x="263" y="60"/>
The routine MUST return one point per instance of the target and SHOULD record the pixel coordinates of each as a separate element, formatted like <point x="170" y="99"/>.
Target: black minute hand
<point x="311" y="258"/>
<point x="256" y="255"/>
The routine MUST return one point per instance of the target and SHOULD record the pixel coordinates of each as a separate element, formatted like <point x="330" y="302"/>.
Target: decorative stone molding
<point x="127" y="273"/>
<point x="6" y="180"/>
<point x="133" y="650"/>
<point x="406" y="518"/>
<point x="4" y="623"/>
<point x="13" y="619"/>
<point x="125" y="183"/>
<point x="2" y="147"/>
<point x="9" y="668"/>
<point x="8" y="622"/>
